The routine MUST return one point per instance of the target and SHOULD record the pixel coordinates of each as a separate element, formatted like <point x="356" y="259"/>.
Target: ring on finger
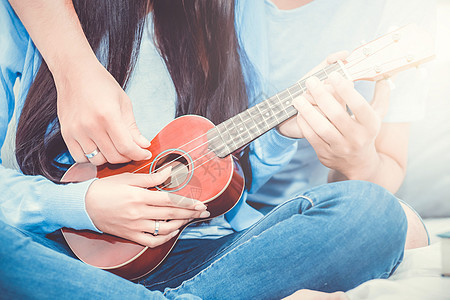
<point x="92" y="154"/>
<point x="155" y="233"/>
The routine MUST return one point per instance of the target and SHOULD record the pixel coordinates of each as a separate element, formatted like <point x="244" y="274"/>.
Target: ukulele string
<point x="293" y="95"/>
<point x="351" y="64"/>
<point x="370" y="68"/>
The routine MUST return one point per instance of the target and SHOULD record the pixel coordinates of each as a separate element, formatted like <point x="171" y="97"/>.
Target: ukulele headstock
<point x="407" y="47"/>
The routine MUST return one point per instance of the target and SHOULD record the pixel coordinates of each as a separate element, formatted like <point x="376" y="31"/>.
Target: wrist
<point x="366" y="167"/>
<point x="66" y="67"/>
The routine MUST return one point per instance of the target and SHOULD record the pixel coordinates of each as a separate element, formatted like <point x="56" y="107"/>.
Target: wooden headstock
<point x="407" y="47"/>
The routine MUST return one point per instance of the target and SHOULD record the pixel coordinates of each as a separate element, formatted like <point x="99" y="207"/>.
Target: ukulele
<point x="200" y="153"/>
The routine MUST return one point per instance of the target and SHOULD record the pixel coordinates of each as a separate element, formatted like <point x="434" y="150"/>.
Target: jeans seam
<point x="234" y="242"/>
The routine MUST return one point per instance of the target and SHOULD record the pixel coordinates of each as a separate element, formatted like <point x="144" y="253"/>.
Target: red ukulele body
<point x="197" y="173"/>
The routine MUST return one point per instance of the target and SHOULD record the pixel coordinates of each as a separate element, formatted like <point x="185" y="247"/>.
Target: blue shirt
<point x="36" y="204"/>
<point x="297" y="40"/>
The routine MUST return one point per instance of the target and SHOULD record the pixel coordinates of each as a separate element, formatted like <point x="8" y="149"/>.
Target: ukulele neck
<point x="238" y="131"/>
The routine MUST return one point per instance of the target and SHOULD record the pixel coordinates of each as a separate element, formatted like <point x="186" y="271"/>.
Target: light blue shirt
<point x="298" y="40"/>
<point x="36" y="204"/>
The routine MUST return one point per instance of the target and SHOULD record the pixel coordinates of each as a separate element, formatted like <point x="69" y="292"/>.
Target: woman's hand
<point x="96" y="114"/>
<point x="290" y="127"/>
<point x="343" y="142"/>
<point x="122" y="205"/>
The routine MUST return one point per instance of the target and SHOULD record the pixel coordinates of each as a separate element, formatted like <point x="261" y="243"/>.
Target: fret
<point x="231" y="133"/>
<point x="252" y="127"/>
<point x="273" y="104"/>
<point x="321" y="75"/>
<point x="265" y="114"/>
<point x="235" y="132"/>
<point x="302" y="85"/>
<point x="281" y="116"/>
<point x="224" y="135"/>
<point x="216" y="142"/>
<point x="243" y="130"/>
<point x="293" y="90"/>
<point x="283" y="95"/>
<point x="291" y="111"/>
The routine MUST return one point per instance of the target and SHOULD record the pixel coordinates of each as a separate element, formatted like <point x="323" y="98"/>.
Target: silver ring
<point x="156" y="228"/>
<point x="92" y="154"/>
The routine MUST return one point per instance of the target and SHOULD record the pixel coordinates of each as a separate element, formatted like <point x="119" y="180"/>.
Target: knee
<point x="368" y="208"/>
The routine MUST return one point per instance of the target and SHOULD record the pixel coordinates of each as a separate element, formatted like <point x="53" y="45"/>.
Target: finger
<point x="172" y="213"/>
<point x="330" y="89"/>
<point x="381" y="97"/>
<point x="341" y="55"/>
<point x="360" y="108"/>
<point x="165" y="228"/>
<point x="330" y="106"/>
<point x="152" y="241"/>
<point x="148" y="180"/>
<point x="107" y="148"/>
<point x="164" y="199"/>
<point x="318" y="122"/>
<point x="88" y="147"/>
<point x="316" y="141"/>
<point x="76" y="151"/>
<point x="125" y="144"/>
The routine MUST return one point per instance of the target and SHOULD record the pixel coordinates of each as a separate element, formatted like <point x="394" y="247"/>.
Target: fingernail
<point x="175" y="232"/>
<point x="299" y="102"/>
<point x="312" y="82"/>
<point x="205" y="214"/>
<point x="149" y="155"/>
<point x="200" y="206"/>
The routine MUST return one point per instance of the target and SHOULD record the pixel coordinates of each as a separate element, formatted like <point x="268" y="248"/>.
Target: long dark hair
<point x="197" y="40"/>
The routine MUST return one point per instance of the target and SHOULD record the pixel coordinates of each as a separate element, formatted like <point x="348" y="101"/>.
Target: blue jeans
<point x="333" y="237"/>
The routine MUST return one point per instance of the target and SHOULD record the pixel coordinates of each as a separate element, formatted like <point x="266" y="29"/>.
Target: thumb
<point x="138" y="138"/>
<point x="128" y="117"/>
<point x="149" y="180"/>
<point x="380" y="101"/>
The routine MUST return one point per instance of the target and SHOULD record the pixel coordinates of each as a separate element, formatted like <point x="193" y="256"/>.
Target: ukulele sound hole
<point x="180" y="174"/>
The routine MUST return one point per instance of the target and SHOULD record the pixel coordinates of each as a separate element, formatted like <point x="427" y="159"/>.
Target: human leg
<point x="30" y="270"/>
<point x="353" y="232"/>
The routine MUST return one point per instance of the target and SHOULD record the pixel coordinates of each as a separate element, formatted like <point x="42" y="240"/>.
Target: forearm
<point x="381" y="169"/>
<point x="56" y="31"/>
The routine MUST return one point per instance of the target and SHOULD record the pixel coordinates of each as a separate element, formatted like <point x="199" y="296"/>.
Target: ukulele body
<point x="197" y="173"/>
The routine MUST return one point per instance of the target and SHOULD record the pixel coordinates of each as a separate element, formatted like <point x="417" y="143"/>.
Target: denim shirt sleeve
<point x="30" y="202"/>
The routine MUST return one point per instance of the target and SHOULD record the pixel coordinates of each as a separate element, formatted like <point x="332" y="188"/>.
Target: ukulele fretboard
<point x="238" y="131"/>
